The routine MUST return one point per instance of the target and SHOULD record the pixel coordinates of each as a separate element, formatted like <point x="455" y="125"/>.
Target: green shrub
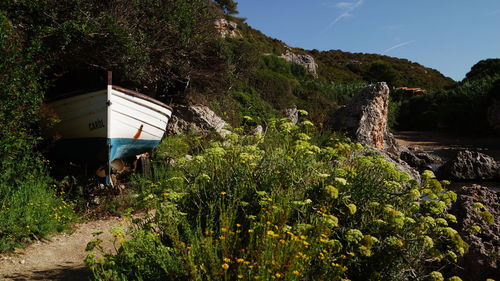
<point x="282" y="206"/>
<point x="28" y="206"/>
<point x="252" y="105"/>
<point x="275" y="88"/>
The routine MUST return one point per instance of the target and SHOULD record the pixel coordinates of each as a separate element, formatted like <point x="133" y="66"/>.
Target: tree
<point x="157" y="47"/>
<point x="488" y="67"/>
<point x="381" y="71"/>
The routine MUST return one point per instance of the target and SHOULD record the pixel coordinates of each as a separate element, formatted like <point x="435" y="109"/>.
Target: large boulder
<point x="421" y="160"/>
<point x="198" y="118"/>
<point x="364" y="119"/>
<point x="484" y="242"/>
<point x="470" y="165"/>
<point x="305" y="61"/>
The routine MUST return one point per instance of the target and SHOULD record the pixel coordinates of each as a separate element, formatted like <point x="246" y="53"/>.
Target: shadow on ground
<point x="62" y="273"/>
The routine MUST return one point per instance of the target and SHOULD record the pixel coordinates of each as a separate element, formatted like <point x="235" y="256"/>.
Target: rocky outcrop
<point x="305" y="61"/>
<point x="470" y="165"/>
<point x="227" y="29"/>
<point x="198" y="118"/>
<point x="484" y="242"/>
<point x="364" y="119"/>
<point x="494" y="116"/>
<point x="292" y="114"/>
<point x="421" y="160"/>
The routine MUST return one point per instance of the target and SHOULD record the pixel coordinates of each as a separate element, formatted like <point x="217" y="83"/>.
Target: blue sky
<point x="447" y="35"/>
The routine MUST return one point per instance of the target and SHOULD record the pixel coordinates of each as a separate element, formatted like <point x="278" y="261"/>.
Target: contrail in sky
<point x="397" y="46"/>
<point x="349" y="6"/>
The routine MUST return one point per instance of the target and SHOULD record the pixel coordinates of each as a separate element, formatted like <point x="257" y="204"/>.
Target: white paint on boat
<point x="128" y="120"/>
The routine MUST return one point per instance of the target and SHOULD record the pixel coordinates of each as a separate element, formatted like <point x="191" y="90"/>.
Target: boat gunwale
<point x="141" y="96"/>
<point x="114" y="87"/>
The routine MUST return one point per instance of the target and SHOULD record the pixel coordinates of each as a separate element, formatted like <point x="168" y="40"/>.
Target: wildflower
<point x="478" y="205"/>
<point x="307" y="123"/>
<point x="296" y="272"/>
<point x="354" y="236"/>
<point x="240" y="276"/>
<point x="302" y="112"/>
<point x="223" y="229"/>
<point x="222" y="237"/>
<point x="441" y="221"/>
<point x="250" y="230"/>
<point x="352" y="208"/>
<point x="240" y="260"/>
<point x="332" y="191"/>
<point x="238" y="225"/>
<point x="428" y="175"/>
<point x="450" y="218"/>
<point x="323" y="175"/>
<point x="225" y="266"/>
<point x="226" y="259"/>
<point x="341" y="181"/>
<point x="436" y="276"/>
<point x="223" y="193"/>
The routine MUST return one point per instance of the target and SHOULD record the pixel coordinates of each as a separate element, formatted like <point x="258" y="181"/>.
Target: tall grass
<point x="282" y="206"/>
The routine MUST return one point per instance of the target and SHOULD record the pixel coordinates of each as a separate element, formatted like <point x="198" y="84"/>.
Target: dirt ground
<point x="440" y="140"/>
<point x="59" y="258"/>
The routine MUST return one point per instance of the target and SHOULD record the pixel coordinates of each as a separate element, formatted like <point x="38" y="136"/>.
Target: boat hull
<point x="106" y="125"/>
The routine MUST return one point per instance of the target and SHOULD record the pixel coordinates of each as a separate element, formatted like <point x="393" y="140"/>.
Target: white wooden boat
<point x="108" y="125"/>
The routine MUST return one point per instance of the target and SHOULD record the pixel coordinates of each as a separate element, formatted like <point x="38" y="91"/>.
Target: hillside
<point x="264" y="76"/>
<point x="344" y="66"/>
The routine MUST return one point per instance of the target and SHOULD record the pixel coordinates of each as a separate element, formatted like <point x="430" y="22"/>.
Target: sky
<point x="447" y="35"/>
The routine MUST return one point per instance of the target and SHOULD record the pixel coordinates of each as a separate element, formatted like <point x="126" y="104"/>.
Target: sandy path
<point x="60" y="258"/>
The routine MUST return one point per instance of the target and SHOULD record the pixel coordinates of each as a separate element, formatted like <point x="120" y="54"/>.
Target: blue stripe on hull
<point x="96" y="149"/>
<point x="127" y="147"/>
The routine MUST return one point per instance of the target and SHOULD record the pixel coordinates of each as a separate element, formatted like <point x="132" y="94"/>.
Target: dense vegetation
<point x="462" y="108"/>
<point x="28" y="206"/>
<point x="282" y="206"/>
<point x="292" y="203"/>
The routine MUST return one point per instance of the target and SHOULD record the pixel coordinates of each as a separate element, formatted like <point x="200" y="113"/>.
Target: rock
<point x="227" y="28"/>
<point x="305" y="61"/>
<point x="484" y="248"/>
<point x="470" y="165"/>
<point x="292" y="114"/>
<point x="257" y="130"/>
<point x="364" y="119"/>
<point x="421" y="160"/>
<point x="198" y="118"/>
<point x="494" y="116"/>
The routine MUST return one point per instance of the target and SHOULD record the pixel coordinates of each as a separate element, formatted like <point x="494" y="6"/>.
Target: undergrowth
<point x="281" y="205"/>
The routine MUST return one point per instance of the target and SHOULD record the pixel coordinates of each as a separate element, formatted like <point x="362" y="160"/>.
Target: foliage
<point x="28" y="208"/>
<point x="383" y="71"/>
<point x="281" y="205"/>
<point x="345" y="66"/>
<point x="488" y="67"/>
<point x="156" y="46"/>
<point x="462" y="108"/>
